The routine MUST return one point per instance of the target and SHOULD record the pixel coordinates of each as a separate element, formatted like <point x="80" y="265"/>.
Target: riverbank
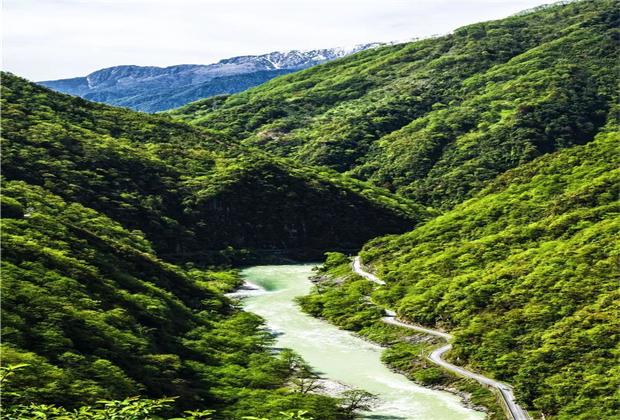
<point x="465" y="396"/>
<point x="345" y="302"/>
<point x="338" y="355"/>
<point x="504" y="391"/>
<point x="335" y="388"/>
<point x="325" y="386"/>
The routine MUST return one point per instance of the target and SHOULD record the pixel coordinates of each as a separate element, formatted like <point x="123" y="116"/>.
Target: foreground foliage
<point x="96" y="316"/>
<point x="128" y="409"/>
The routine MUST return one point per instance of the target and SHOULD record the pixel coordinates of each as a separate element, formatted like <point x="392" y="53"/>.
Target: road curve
<point x="517" y="412"/>
<point x="357" y="267"/>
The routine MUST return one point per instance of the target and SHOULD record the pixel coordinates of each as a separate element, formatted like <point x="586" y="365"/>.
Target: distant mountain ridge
<point x="152" y="89"/>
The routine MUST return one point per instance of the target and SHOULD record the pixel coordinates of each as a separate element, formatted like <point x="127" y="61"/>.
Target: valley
<point x="475" y="175"/>
<point x="337" y="355"/>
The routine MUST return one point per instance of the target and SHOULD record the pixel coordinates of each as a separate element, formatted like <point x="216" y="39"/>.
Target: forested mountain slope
<point x="507" y="127"/>
<point x="93" y="196"/>
<point x="94" y="315"/>
<point x="187" y="189"/>
<point x="525" y="276"/>
<point x="437" y="119"/>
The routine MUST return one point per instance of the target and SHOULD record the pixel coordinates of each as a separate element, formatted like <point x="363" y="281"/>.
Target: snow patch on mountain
<point x="126" y="85"/>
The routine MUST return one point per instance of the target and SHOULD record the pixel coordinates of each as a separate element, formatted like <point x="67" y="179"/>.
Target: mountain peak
<point x="149" y="88"/>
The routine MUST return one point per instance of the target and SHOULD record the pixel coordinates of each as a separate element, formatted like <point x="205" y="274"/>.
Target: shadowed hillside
<point x="186" y="188"/>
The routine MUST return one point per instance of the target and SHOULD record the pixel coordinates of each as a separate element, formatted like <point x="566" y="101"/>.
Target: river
<point x="336" y="354"/>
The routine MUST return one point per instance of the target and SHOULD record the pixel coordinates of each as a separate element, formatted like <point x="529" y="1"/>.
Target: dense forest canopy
<point x="95" y="315"/>
<point x="94" y="196"/>
<point x="188" y="189"/>
<point x="524" y="275"/>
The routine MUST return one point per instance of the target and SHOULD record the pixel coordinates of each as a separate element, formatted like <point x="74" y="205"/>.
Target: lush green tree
<point x="358" y="400"/>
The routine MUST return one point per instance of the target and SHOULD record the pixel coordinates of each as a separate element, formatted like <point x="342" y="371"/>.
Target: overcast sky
<point x="54" y="39"/>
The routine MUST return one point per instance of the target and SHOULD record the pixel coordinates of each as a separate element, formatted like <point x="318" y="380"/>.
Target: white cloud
<point x="45" y="40"/>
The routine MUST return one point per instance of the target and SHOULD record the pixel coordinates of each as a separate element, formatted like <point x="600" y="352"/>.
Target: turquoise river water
<point x="338" y="355"/>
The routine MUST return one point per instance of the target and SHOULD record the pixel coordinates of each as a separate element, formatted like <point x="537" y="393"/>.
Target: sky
<point x="57" y="39"/>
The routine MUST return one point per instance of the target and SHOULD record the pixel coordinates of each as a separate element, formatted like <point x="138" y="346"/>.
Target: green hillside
<point x="185" y="188"/>
<point x="480" y="170"/>
<point x="525" y="276"/>
<point x="96" y="197"/>
<point x="96" y="315"/>
<point x="437" y="119"/>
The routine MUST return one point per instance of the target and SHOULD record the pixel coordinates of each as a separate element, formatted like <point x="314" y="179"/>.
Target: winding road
<point x="516" y="411"/>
